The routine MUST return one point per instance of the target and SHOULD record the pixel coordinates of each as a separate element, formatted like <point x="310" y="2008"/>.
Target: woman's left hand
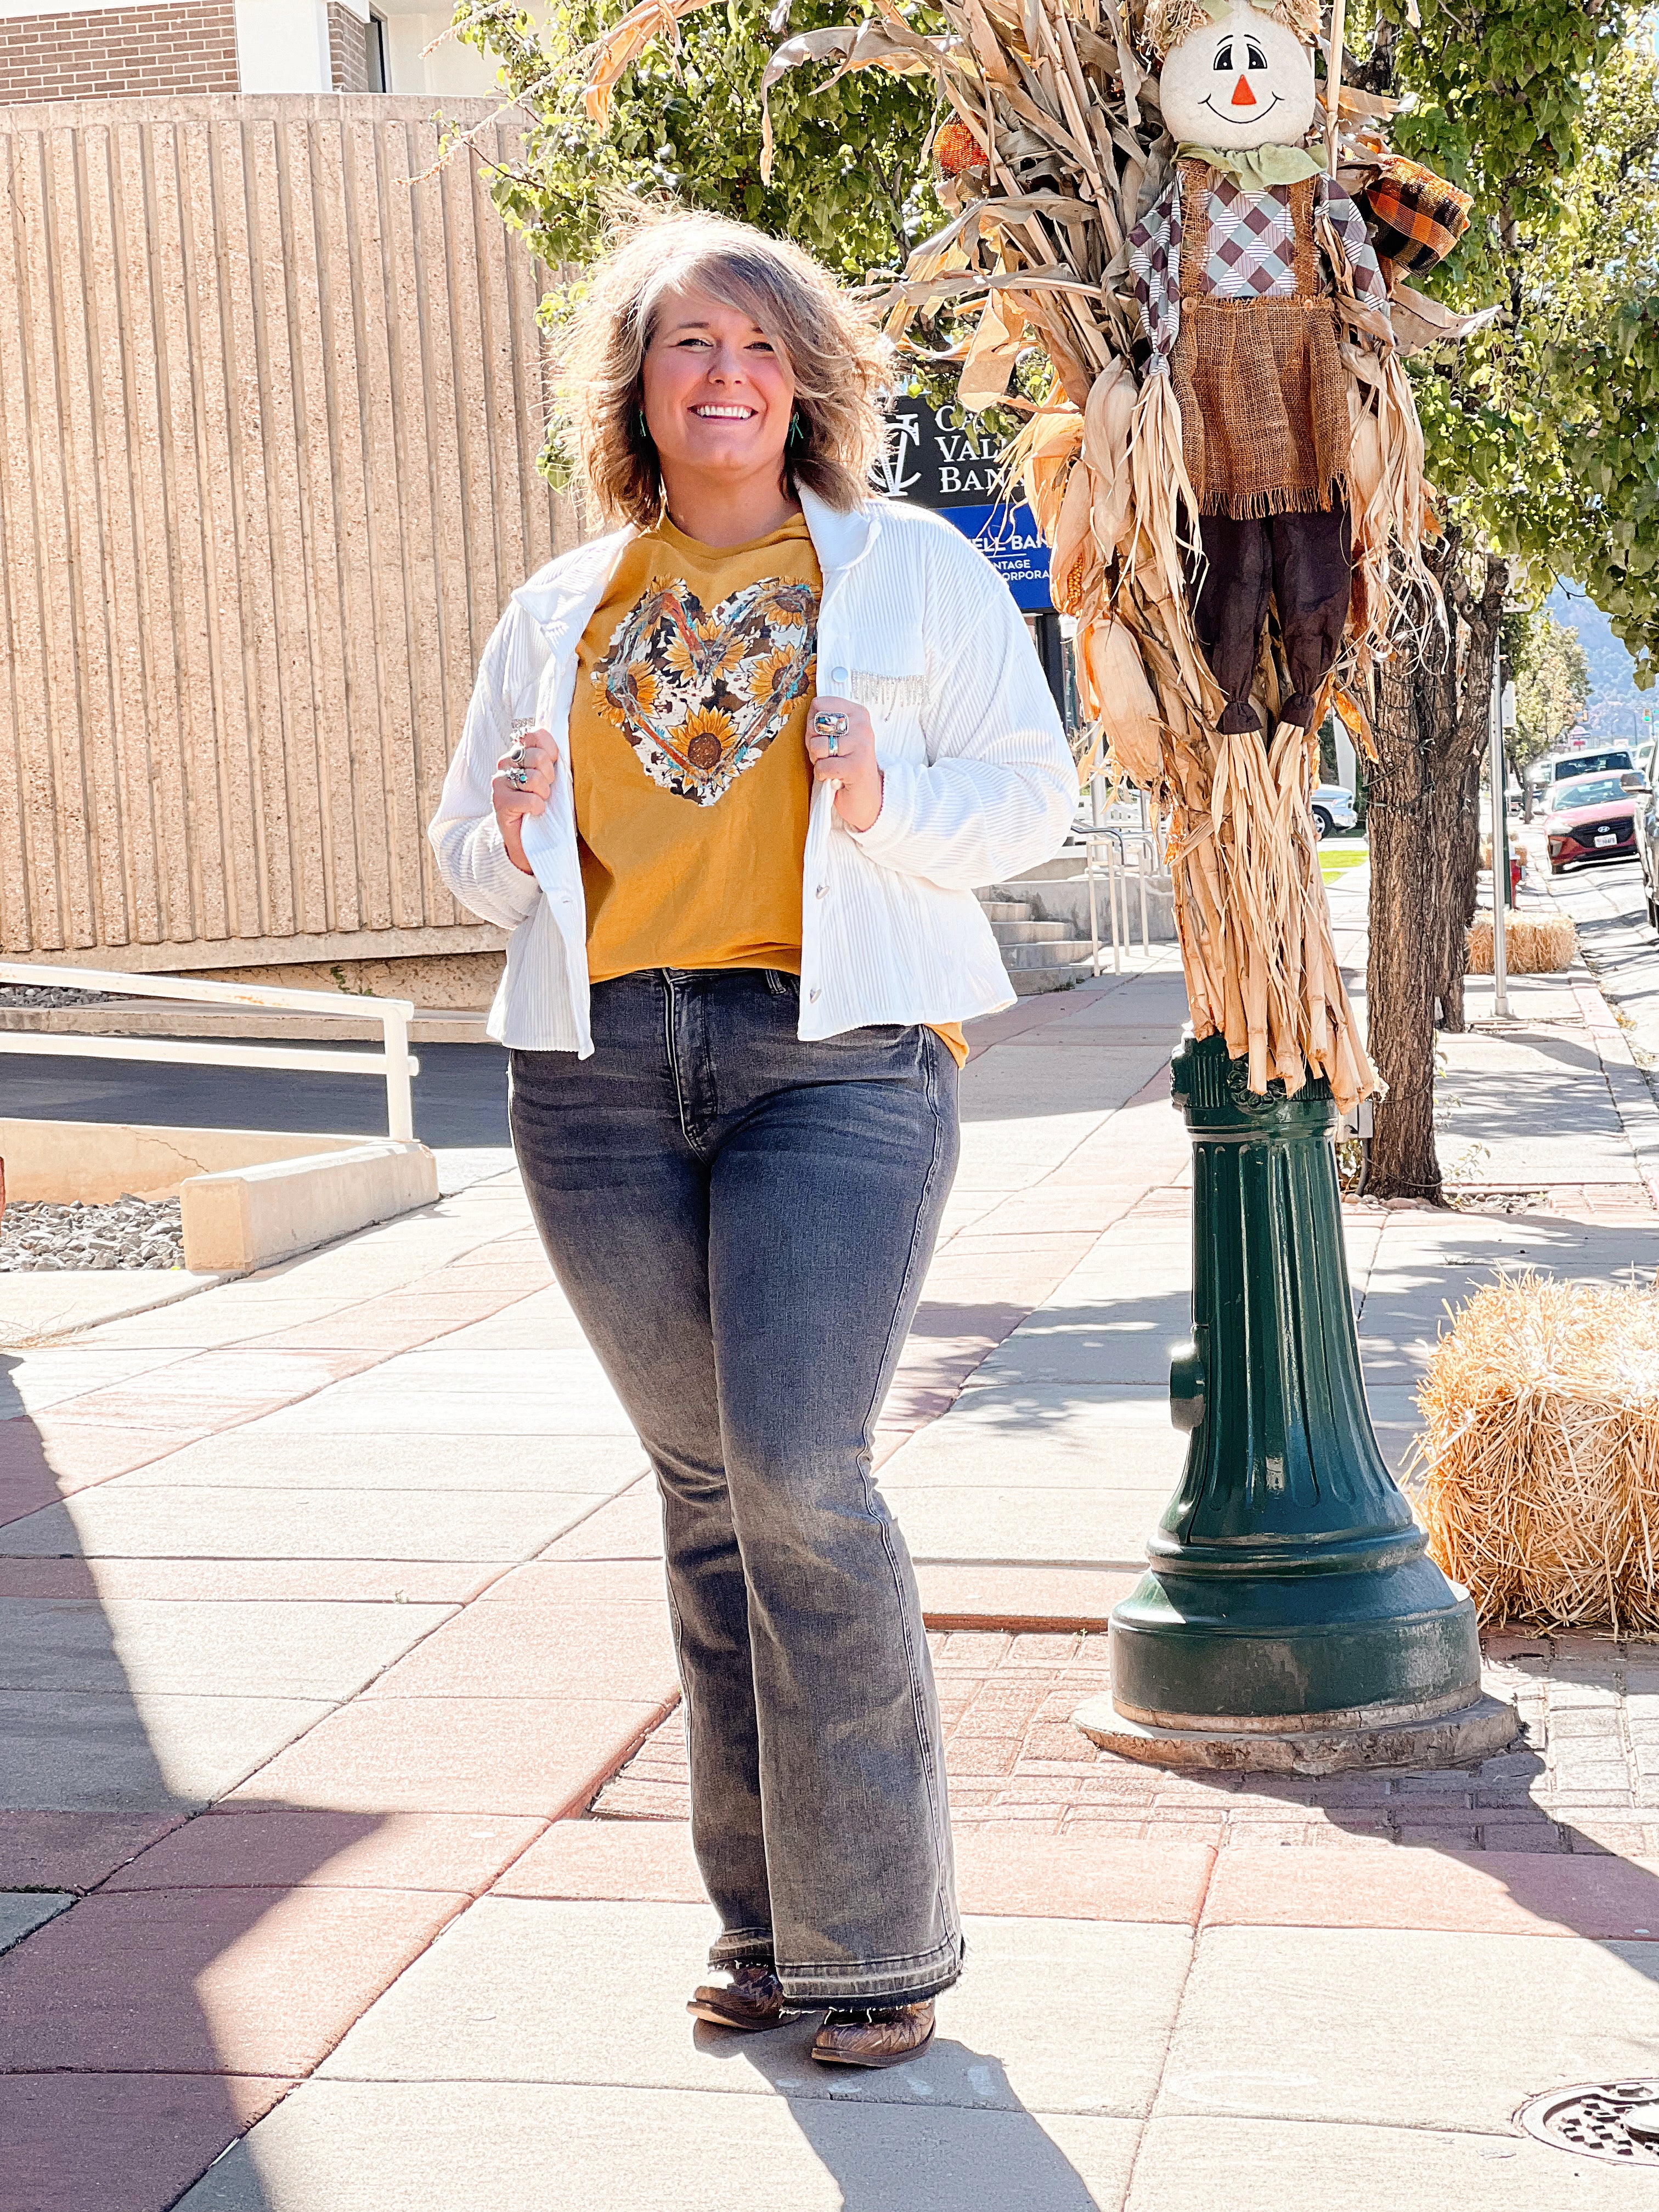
<point x="853" y="764"/>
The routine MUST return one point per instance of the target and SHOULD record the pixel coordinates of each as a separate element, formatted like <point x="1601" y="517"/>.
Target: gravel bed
<point x="46" y="997"/>
<point x="129" y="1233"/>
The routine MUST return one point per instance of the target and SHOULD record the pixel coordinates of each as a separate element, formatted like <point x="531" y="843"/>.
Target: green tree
<point x="1552" y="676"/>
<point x="1535" y="428"/>
<point x="850" y="180"/>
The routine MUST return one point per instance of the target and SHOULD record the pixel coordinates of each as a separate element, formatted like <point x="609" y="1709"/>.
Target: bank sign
<point x="943" y="458"/>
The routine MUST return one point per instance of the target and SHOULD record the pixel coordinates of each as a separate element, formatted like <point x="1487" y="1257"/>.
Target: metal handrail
<point x="395" y="1061"/>
<point x="1115" y="839"/>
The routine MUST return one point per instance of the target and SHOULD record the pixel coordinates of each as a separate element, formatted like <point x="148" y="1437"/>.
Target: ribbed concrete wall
<point x="269" y="414"/>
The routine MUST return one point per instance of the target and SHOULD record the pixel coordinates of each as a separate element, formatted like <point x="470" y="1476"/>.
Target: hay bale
<point x="1537" y="1473"/>
<point x="1534" y="944"/>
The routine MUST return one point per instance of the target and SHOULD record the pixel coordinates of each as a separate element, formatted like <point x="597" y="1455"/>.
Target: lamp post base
<point x="1290" y="1619"/>
<point x="1313" y="1744"/>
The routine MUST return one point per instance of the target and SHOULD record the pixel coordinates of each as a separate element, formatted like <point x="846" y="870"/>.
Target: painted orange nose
<point x="1243" y="96"/>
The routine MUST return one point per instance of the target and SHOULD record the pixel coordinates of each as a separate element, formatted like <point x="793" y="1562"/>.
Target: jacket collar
<point x="840" y="539"/>
<point x="563" y="595"/>
<point x="570" y="586"/>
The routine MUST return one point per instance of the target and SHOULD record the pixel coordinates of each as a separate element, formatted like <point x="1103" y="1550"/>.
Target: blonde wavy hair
<point x="838" y="359"/>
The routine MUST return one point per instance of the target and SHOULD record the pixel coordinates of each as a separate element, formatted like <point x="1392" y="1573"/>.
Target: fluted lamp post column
<point x="1289" y="1618"/>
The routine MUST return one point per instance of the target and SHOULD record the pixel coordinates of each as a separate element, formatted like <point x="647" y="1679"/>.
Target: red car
<point x="1594" y="819"/>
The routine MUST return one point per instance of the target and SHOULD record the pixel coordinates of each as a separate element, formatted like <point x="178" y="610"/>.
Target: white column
<point x="281" y="46"/>
<point x="450" y="68"/>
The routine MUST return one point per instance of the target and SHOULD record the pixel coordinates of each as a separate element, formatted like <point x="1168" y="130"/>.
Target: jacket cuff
<point x="514" y="891"/>
<point x="887" y="836"/>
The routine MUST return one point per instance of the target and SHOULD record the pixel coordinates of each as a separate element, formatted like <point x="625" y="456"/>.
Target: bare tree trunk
<point x="1462" y="834"/>
<point x="1403" y="964"/>
<point x="1424" y="824"/>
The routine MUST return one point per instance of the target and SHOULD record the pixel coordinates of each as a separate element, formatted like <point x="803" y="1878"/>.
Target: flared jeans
<point x="742" y="1221"/>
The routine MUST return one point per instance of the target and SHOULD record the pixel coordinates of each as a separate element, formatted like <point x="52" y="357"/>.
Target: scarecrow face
<point x="1246" y="80"/>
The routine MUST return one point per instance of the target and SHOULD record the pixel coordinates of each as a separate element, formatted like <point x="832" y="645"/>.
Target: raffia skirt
<point x="1264" y="405"/>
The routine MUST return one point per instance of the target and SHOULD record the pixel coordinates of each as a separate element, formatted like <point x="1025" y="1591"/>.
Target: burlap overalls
<point x="1265" y="436"/>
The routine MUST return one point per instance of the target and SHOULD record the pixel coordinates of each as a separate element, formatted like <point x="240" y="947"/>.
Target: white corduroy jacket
<point x="979" y="783"/>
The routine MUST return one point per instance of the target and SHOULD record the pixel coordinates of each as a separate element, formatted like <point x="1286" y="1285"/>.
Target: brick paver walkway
<point x="1586" y="1778"/>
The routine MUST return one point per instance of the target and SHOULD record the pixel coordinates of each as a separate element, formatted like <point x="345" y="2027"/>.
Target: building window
<point x="379" y="74"/>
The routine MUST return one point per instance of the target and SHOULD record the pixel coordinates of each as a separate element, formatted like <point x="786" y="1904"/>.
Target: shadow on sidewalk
<point x="115" y="2090"/>
<point x="1489" y="1820"/>
<point x="1009" y="2160"/>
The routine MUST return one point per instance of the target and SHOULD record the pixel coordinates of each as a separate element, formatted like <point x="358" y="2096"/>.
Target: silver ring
<point x="833" y="726"/>
<point x="518" y="777"/>
<point x="517" y="755"/>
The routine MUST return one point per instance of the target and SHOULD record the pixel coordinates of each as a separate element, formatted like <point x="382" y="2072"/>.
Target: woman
<point x="743" y="939"/>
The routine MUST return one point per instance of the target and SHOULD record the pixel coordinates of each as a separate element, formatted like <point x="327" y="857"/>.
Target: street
<point x="460" y="1095"/>
<point x="1609" y="908"/>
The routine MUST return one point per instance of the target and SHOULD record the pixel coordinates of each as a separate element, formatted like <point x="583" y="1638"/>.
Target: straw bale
<point x="1537" y="1470"/>
<point x="1534" y="944"/>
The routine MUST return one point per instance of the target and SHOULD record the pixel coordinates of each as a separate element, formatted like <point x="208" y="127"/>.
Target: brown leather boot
<point x="880" y="2035"/>
<point x="752" y="2000"/>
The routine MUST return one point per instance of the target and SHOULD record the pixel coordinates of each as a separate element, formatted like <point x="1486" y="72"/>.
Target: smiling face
<point x="717" y="393"/>
<point x="1245" y="82"/>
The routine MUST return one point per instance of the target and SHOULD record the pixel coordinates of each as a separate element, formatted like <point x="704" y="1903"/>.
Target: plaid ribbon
<point x="1419" y="217"/>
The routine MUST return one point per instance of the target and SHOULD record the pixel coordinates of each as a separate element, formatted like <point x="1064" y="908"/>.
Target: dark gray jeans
<point x="742" y="1222"/>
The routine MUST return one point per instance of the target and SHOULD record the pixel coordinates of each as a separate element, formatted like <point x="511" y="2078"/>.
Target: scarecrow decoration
<point x="1228" y="469"/>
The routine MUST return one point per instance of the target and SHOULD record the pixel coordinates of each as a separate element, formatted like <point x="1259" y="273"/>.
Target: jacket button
<point x="824" y="890"/>
<point x="838" y="677"/>
<point x="812" y="995"/>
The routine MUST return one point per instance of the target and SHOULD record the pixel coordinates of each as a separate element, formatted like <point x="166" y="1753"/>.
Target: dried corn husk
<point x="1043" y="453"/>
<point x="989" y="362"/>
<point x="1120" y="702"/>
<point x="1075" y="569"/>
<point x="1537" y="1469"/>
<point x="1107" y="421"/>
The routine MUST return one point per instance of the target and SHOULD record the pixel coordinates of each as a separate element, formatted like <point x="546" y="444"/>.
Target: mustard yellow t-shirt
<point x="688" y="752"/>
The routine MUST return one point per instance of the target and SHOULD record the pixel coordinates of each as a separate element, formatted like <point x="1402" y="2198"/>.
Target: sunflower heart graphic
<point x="700" y="693"/>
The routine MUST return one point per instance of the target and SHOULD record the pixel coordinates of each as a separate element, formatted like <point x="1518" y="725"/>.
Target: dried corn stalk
<point x="1057" y="150"/>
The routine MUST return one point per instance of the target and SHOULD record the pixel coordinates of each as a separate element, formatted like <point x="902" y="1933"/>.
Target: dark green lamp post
<point x="1290" y="1617"/>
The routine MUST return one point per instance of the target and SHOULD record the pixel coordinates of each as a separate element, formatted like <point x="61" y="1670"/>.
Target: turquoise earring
<point x="796" y="437"/>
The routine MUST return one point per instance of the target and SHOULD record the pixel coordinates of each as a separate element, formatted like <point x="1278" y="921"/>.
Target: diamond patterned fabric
<point x="1250" y="252"/>
<point x="1252" y="243"/>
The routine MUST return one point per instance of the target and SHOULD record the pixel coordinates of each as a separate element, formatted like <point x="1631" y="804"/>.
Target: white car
<point x="1332" y="808"/>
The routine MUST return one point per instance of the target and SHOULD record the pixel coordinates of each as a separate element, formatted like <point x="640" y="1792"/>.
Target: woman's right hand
<point x="523" y="784"/>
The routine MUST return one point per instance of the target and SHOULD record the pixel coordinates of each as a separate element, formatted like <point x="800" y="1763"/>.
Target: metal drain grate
<point x="1588" y="2119"/>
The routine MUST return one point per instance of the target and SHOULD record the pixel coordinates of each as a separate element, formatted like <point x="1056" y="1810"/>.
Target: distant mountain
<point x="1617" y="708"/>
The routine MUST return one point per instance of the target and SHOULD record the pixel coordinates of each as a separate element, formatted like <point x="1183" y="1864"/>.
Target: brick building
<point x="83" y="49"/>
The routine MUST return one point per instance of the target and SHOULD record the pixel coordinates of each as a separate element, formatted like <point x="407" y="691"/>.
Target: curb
<point x="56" y="1327"/>
<point x="1633" y="1101"/>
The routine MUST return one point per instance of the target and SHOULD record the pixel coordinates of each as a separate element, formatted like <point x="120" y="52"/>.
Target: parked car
<point x="1593" y="818"/>
<point x="1564" y="768"/>
<point x="1332" y="808"/>
<point x="1647" y="836"/>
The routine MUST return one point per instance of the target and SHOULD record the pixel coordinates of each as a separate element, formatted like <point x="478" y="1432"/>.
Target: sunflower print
<point x="700" y="693"/>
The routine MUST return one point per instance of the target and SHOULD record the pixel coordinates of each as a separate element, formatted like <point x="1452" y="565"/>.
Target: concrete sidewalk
<point x="338" y="1727"/>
